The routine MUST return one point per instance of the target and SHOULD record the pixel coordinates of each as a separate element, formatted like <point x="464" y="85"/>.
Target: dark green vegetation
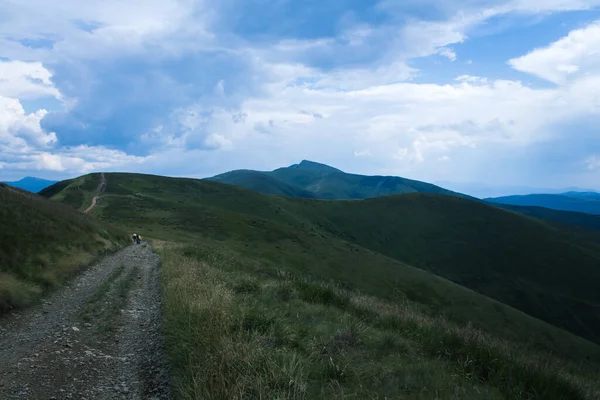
<point x="309" y="179"/>
<point x="572" y="201"/>
<point x="43" y="243"/>
<point x="31" y="184"/>
<point x="237" y="328"/>
<point x="338" y="252"/>
<point x="104" y="307"/>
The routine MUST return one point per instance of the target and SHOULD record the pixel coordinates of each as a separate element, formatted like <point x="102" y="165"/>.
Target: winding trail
<point x="52" y="351"/>
<point x="100" y="190"/>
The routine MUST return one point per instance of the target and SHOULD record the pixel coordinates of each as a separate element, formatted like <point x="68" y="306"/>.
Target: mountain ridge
<point x="330" y="183"/>
<point x="586" y="202"/>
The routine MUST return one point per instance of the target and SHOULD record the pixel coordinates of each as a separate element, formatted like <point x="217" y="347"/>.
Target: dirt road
<point x="97" y="338"/>
<point x="100" y="190"/>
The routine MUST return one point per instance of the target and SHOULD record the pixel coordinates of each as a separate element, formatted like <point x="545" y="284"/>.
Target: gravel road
<point x="99" y="337"/>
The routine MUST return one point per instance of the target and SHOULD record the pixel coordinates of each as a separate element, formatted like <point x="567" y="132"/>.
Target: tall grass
<point x="237" y="334"/>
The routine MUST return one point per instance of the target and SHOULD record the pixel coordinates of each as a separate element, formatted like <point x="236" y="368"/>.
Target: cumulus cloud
<point x="571" y="57"/>
<point x="25" y="80"/>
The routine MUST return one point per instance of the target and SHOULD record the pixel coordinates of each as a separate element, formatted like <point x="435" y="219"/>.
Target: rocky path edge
<point x="48" y="352"/>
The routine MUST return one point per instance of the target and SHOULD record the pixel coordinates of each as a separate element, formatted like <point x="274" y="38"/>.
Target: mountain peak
<point x="315" y="166"/>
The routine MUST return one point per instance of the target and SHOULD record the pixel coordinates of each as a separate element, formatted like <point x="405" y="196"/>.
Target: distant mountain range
<point x="585" y="202"/>
<point x="486" y="190"/>
<point x="314" y="180"/>
<point x="31" y="184"/>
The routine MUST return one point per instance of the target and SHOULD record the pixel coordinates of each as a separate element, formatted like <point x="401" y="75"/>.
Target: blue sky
<point x="499" y="92"/>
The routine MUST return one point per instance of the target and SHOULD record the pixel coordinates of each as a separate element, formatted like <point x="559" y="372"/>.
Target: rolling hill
<point x="31" y="184"/>
<point x="584" y="202"/>
<point x="325" y="182"/>
<point x="278" y="293"/>
<point x="512" y="258"/>
<point x="43" y="243"/>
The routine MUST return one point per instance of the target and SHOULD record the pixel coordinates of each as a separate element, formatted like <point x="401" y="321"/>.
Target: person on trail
<point x="137" y="239"/>
<point x="134" y="238"/>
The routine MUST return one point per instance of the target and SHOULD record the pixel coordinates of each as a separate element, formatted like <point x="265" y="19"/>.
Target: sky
<point x="501" y="93"/>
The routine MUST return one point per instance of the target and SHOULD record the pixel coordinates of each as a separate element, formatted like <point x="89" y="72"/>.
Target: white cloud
<point x="79" y="160"/>
<point x="20" y="128"/>
<point x="448" y="53"/>
<point x="216" y="140"/>
<point x="25" y="80"/>
<point x="25" y="146"/>
<point x="472" y="79"/>
<point x="575" y="55"/>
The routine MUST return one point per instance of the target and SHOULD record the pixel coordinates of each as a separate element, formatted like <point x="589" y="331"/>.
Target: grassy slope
<point x="526" y="263"/>
<point x="517" y="260"/>
<point x="42" y="243"/>
<point x="237" y="328"/>
<point x="77" y="192"/>
<point x="301" y="235"/>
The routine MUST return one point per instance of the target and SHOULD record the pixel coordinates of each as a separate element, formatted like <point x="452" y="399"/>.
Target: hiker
<point x="137" y="239"/>
<point x="134" y="238"/>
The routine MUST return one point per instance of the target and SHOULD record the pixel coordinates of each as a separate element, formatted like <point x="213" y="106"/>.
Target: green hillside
<point x="325" y="182"/>
<point x="241" y="243"/>
<point x="537" y="267"/>
<point x="77" y="192"/>
<point x="261" y="182"/>
<point x="509" y="257"/>
<point x="43" y="243"/>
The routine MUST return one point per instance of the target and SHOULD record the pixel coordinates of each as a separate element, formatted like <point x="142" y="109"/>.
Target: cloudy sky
<point x="502" y="92"/>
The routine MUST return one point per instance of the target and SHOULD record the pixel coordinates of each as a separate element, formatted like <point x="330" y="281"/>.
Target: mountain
<point x="314" y="180"/>
<point x="42" y="243"/>
<point x="468" y="298"/>
<point x="585" y="202"/>
<point x="31" y="184"/>
<point x="325" y="182"/>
